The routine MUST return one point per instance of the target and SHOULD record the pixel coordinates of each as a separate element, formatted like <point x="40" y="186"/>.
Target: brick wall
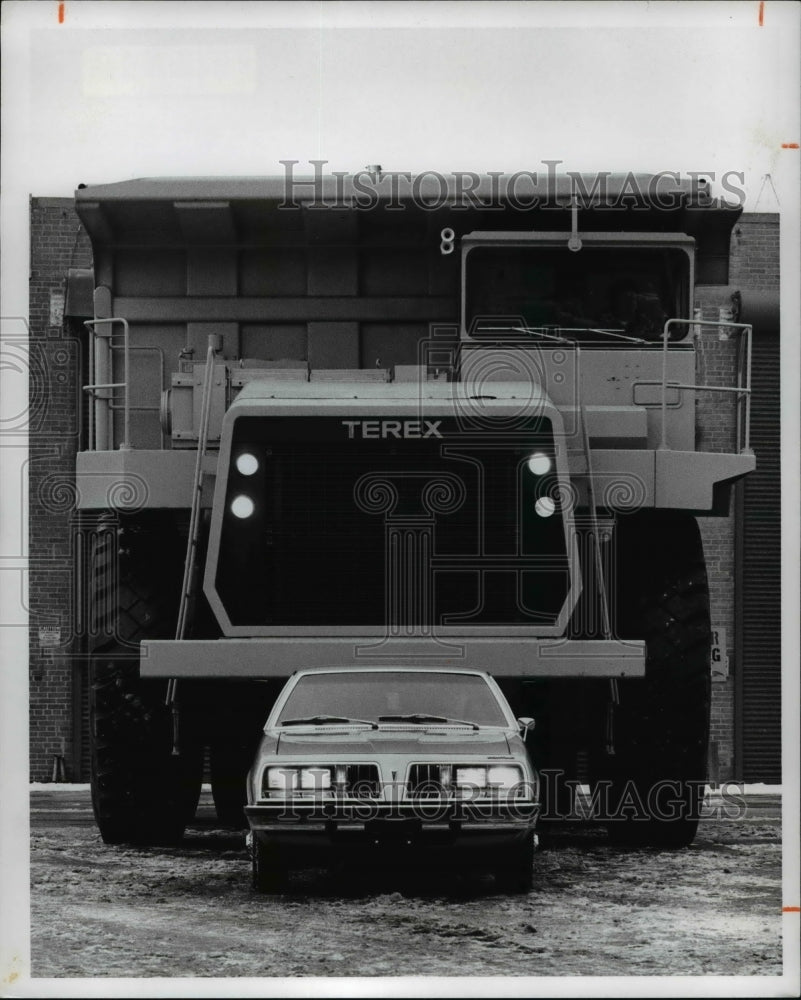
<point x="716" y="365"/>
<point x="754" y="264"/>
<point x="755" y="252"/>
<point x="58" y="242"/>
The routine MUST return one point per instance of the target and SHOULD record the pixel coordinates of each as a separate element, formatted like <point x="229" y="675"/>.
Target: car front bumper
<point x="455" y="826"/>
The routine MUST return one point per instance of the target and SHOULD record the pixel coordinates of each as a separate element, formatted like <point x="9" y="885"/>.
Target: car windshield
<point x="409" y="697"/>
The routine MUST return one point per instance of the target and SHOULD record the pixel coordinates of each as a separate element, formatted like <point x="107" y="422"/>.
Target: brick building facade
<point x="58" y="242"/>
<point x="755" y="252"/>
<point x="57" y="373"/>
<point x="754" y="264"/>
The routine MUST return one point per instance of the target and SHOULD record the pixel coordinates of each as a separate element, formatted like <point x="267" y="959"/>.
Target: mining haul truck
<point x="413" y="427"/>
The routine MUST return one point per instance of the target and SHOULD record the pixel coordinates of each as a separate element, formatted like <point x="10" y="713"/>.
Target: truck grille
<point x="413" y="509"/>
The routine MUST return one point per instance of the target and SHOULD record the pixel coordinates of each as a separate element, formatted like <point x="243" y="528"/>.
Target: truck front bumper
<point x="500" y="656"/>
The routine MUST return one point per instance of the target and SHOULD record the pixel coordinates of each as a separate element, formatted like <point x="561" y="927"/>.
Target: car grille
<point x="424" y="781"/>
<point x="362" y="781"/>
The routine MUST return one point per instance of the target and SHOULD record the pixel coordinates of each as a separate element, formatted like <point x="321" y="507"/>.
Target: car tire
<point x="516" y="875"/>
<point x="268" y="867"/>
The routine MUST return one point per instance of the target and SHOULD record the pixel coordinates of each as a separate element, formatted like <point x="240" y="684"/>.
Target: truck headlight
<point x="242" y="506"/>
<point x="247" y="464"/>
<point x="538" y="463"/>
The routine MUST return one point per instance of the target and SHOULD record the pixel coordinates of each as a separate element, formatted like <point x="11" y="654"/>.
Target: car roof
<point x="396" y="669"/>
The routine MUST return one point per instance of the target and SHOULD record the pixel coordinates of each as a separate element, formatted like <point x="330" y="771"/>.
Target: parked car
<point x="396" y="762"/>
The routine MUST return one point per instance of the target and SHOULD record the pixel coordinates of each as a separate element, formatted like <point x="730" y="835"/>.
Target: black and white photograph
<point x="399" y="522"/>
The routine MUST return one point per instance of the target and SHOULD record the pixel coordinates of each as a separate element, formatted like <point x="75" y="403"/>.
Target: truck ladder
<point x="596" y="548"/>
<point x="190" y="563"/>
<point x="600" y="579"/>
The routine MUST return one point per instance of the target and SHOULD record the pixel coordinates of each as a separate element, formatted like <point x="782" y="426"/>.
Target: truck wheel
<point x="662" y="723"/>
<point x="140" y="792"/>
<point x="516" y="874"/>
<point x="229" y="767"/>
<point x="269" y="871"/>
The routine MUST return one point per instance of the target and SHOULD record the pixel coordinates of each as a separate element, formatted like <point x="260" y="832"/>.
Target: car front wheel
<point x="516" y="874"/>
<point x="269" y="870"/>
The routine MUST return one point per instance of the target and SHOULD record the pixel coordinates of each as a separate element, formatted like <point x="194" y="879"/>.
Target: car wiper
<point x="420" y="720"/>
<point x="325" y="720"/>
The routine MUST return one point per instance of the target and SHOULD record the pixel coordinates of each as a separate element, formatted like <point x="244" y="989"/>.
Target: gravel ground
<point x="713" y="909"/>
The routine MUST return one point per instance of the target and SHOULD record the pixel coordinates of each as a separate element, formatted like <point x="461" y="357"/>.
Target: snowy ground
<point x="713" y="909"/>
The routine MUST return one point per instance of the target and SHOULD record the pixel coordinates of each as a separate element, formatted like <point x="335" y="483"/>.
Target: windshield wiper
<point x="533" y="331"/>
<point x="611" y="333"/>
<point x="325" y="720"/>
<point x="554" y="332"/>
<point x="420" y="720"/>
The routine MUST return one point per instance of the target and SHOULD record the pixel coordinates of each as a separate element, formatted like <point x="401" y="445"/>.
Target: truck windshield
<point x="395" y="698"/>
<point x="600" y="294"/>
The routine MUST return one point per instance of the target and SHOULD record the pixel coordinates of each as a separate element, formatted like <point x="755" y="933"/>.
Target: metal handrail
<point x="197" y="490"/>
<point x="744" y="423"/>
<point x="741" y="390"/>
<point x="113" y="405"/>
<point x="92" y="388"/>
<point x="600" y="576"/>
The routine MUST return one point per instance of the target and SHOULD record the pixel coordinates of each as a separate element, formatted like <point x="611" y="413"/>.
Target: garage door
<point x="758" y="739"/>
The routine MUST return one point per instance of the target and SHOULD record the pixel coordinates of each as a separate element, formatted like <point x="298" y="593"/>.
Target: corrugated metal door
<point x="758" y="739"/>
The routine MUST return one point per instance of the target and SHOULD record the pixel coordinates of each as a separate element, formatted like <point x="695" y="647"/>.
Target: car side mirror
<point x="526" y="725"/>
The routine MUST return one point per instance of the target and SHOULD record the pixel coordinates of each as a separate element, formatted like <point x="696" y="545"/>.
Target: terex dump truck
<point x="414" y="427"/>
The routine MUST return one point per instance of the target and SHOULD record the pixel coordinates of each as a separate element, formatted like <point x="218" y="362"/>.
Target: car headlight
<point x="315" y="778"/>
<point x="475" y="777"/>
<point x="494" y="777"/>
<point x="503" y="777"/>
<point x="281" y="779"/>
<point x="289" y="780"/>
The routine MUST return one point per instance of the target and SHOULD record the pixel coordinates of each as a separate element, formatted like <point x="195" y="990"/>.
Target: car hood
<point x="377" y="742"/>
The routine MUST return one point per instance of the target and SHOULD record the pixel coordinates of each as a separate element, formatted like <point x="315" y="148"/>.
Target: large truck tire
<point x="229" y="766"/>
<point x="141" y="792"/>
<point x="661" y="726"/>
<point x="235" y="727"/>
